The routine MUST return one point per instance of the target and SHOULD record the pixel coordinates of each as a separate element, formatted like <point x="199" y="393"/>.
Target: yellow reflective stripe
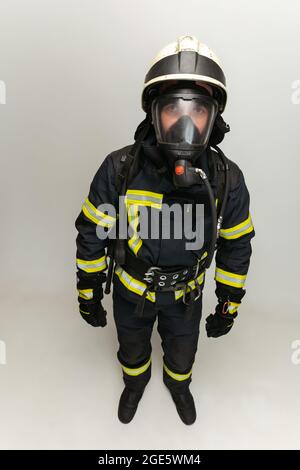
<point x="135" y="245"/>
<point x="191" y="285"/>
<point x="143" y="198"/>
<point x="177" y="376"/>
<point x="92" y="266"/>
<point x="138" y="287"/>
<point x="96" y="216"/>
<point x="135" y="242"/>
<point x="85" y="313"/>
<point x="86" y="293"/>
<point x="238" y="230"/>
<point x="141" y="192"/>
<point x="217" y="200"/>
<point x="233" y="306"/>
<point x="204" y="255"/>
<point x="155" y="205"/>
<point x="138" y="370"/>
<point x="133" y="284"/>
<point x="231" y="279"/>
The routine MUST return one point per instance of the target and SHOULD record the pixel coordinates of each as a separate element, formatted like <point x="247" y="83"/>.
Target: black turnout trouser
<point x="179" y="341"/>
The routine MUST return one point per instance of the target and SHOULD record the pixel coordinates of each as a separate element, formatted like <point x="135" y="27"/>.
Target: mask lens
<point x="183" y="121"/>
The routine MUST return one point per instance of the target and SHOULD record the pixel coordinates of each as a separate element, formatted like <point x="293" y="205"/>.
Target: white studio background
<point x="71" y="76"/>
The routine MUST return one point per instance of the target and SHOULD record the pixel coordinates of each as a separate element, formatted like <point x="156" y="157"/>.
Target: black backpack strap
<point x="122" y="170"/>
<point x="125" y="171"/>
<point x="129" y="162"/>
<point x="224" y="176"/>
<point x="220" y="169"/>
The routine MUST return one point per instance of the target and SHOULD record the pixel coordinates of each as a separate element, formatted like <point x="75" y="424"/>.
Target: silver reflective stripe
<point x="232" y="307"/>
<point x="138" y="287"/>
<point x="143" y="197"/>
<point x="134" y="244"/>
<point x="191" y="285"/>
<point x="135" y="241"/>
<point x="232" y="279"/>
<point x="238" y="230"/>
<point x="86" y="293"/>
<point x="97" y="216"/>
<point x="138" y="197"/>
<point x="133" y="284"/>
<point x="130" y="282"/>
<point x="92" y="266"/>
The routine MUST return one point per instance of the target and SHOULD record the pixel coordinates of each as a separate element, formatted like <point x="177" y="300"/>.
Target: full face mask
<point x="183" y="120"/>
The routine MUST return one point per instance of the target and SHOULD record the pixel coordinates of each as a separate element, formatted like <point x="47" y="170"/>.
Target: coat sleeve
<point x="96" y="219"/>
<point x="234" y="246"/>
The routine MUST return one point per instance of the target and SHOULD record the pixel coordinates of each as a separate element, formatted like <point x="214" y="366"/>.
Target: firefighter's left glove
<point x="94" y="313"/>
<point x="90" y="292"/>
<point x="219" y="323"/>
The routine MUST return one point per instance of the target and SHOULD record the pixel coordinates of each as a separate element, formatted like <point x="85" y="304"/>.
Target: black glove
<point x="89" y="286"/>
<point x="93" y="313"/>
<point x="220" y="323"/>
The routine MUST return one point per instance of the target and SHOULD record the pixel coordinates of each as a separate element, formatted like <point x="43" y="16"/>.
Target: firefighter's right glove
<point x="93" y="313"/>
<point x="219" y="324"/>
<point x="90" y="290"/>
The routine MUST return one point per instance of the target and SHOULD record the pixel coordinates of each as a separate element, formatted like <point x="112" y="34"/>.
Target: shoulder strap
<point x="220" y="169"/>
<point x="130" y="162"/>
<point x="122" y="171"/>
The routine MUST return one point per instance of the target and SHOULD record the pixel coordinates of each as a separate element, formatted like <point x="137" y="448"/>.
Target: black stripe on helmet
<point x="186" y="62"/>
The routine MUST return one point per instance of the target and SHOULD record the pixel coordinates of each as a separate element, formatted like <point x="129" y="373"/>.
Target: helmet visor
<point x="186" y="119"/>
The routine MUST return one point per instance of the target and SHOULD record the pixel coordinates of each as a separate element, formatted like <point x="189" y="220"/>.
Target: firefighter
<point x="175" y="159"/>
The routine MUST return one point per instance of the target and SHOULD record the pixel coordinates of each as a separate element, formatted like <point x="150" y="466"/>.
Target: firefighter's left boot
<point x="185" y="406"/>
<point x="128" y="404"/>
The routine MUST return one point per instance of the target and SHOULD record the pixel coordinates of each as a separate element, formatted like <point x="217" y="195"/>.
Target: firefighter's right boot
<point x="128" y="404"/>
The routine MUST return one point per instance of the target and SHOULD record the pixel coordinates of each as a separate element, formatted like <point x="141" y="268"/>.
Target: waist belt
<point x="165" y="279"/>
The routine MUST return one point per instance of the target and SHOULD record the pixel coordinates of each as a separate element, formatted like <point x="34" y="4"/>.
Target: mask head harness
<point x="183" y="117"/>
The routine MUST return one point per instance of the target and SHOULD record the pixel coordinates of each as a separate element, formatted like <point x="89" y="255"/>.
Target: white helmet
<point x="185" y="59"/>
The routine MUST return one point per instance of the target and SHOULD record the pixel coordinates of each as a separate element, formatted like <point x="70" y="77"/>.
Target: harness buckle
<point x="197" y="286"/>
<point x="149" y="275"/>
<point x="184" y="293"/>
<point x="199" y="290"/>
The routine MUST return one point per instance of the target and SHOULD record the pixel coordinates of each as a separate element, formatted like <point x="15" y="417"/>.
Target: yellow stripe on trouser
<point x="231" y="279"/>
<point x="138" y="370"/>
<point x="177" y="376"/>
<point x="138" y="287"/>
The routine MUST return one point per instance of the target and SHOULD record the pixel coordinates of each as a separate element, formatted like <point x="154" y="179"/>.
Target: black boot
<point x="185" y="406"/>
<point x="128" y="404"/>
